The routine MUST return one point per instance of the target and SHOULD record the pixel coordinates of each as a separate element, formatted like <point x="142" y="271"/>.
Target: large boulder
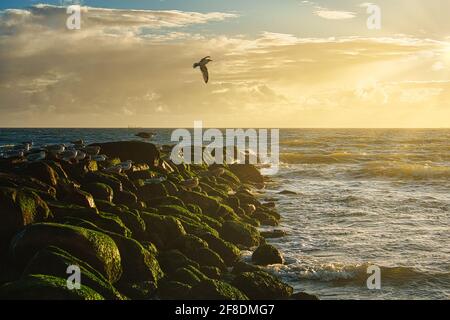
<point x="95" y="248"/>
<point x="55" y="262"/>
<point x="209" y="205"/>
<point x="140" y="152"/>
<point x="19" y="208"/>
<point x="14" y="181"/>
<point x="45" y="287"/>
<point x="267" y="254"/>
<point x="216" y="290"/>
<point x="173" y="259"/>
<point x="149" y="192"/>
<point x="247" y="173"/>
<point x="226" y="250"/>
<point x="240" y="233"/>
<point x="260" y="285"/>
<point x="41" y="171"/>
<point x="138" y="264"/>
<point x="100" y="191"/>
<point x="163" y="231"/>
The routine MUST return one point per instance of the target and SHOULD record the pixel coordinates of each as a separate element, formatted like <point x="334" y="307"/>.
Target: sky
<point x="277" y="64"/>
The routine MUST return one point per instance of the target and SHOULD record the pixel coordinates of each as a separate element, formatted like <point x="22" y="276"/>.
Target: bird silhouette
<point x="202" y="64"/>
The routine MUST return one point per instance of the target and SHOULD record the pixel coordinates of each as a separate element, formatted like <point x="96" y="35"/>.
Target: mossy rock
<point x="207" y="257"/>
<point x="226" y="250"/>
<point x="19" y="208"/>
<point x="209" y="205"/>
<point x="54" y="261"/>
<point x="247" y="173"/>
<point x="167" y="201"/>
<point x="195" y="209"/>
<point x="173" y="290"/>
<point x="171" y="187"/>
<point x="177" y="211"/>
<point x="260" y="285"/>
<point x="133" y="222"/>
<point x="100" y="191"/>
<point x="186" y="276"/>
<point x="211" y="272"/>
<point x="216" y="290"/>
<point x="165" y="229"/>
<point x="267" y="254"/>
<point x="95" y="248"/>
<point x="80" y="198"/>
<point x="61" y="210"/>
<point x="138" y="264"/>
<point x="45" y="287"/>
<point x="240" y="233"/>
<point x="211" y="191"/>
<point x="145" y="290"/>
<point x="149" y="192"/>
<point x="196" y="227"/>
<point x="241" y="267"/>
<point x="189" y="244"/>
<point x="265" y="218"/>
<point x="41" y="171"/>
<point x="100" y="177"/>
<point x="126" y="198"/>
<point x="142" y="174"/>
<point x="172" y="260"/>
<point x="16" y="181"/>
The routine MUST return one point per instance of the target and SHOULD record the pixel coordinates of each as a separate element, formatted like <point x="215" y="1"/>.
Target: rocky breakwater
<point x="139" y="229"/>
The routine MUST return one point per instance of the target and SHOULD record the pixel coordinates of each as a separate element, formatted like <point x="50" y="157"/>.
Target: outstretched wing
<point x="205" y="59"/>
<point x="205" y="73"/>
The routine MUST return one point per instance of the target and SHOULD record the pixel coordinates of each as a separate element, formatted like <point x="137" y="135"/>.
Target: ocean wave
<point x="338" y="157"/>
<point x="357" y="273"/>
<point x="406" y="171"/>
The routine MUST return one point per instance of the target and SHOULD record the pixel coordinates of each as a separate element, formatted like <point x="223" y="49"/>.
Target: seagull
<point x="99" y="158"/>
<point x="202" y="64"/>
<point x="127" y="165"/>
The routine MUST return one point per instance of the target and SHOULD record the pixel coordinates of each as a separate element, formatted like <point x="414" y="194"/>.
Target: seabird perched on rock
<point x="202" y="64"/>
<point x="78" y="142"/>
<point x="99" y="158"/>
<point x="68" y="155"/>
<point x="80" y="155"/>
<point x="157" y="180"/>
<point x="35" y="157"/>
<point x="56" y="149"/>
<point x="127" y="165"/>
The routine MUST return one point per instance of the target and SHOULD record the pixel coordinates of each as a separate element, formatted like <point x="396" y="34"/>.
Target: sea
<point x="356" y="198"/>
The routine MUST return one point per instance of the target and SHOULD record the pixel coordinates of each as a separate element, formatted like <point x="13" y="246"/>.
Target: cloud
<point x="122" y="71"/>
<point x="334" y="14"/>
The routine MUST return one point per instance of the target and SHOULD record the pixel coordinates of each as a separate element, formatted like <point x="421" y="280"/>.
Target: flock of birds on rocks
<point x="77" y="151"/>
<point x="74" y="152"/>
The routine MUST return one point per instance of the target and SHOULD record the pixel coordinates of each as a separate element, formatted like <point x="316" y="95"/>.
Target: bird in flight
<point x="202" y="64"/>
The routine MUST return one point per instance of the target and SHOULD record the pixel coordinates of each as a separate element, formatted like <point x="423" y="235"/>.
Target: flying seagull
<point x="202" y="64"/>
